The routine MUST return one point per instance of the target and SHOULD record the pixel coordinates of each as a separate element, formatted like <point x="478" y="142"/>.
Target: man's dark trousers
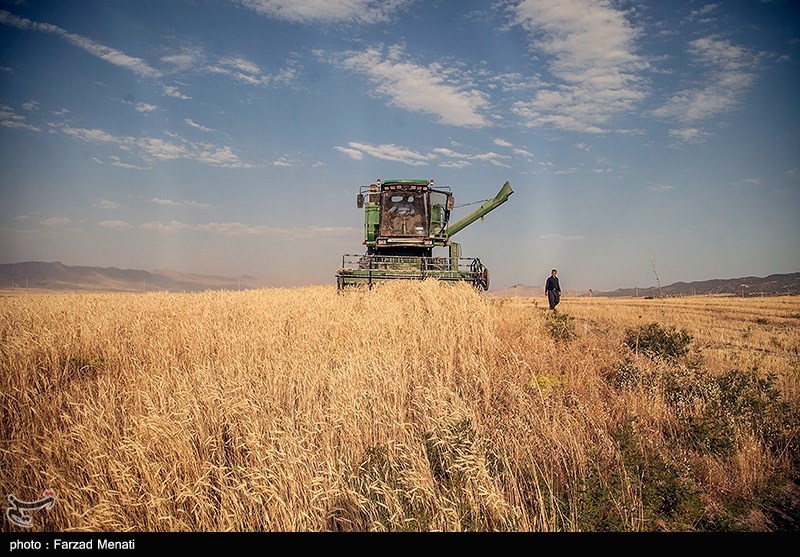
<point x="553" y="297"/>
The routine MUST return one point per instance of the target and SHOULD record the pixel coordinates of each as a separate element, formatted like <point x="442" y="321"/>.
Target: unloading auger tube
<point x="404" y="220"/>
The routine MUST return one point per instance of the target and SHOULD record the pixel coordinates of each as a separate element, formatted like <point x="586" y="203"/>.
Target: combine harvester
<point x="403" y="221"/>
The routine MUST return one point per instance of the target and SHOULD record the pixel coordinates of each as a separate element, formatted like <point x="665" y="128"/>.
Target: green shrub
<point x="669" y="500"/>
<point x="658" y="342"/>
<point x="754" y="402"/>
<point x="561" y="327"/>
<point x="715" y="408"/>
<point x="629" y="375"/>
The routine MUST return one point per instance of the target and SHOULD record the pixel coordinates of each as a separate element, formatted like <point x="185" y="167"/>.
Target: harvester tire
<point x="482" y="280"/>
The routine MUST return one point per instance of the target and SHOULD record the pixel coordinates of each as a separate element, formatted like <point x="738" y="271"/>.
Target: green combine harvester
<point x="403" y="221"/>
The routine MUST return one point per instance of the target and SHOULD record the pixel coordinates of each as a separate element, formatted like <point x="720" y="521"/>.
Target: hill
<point x="772" y="285"/>
<point x="57" y="276"/>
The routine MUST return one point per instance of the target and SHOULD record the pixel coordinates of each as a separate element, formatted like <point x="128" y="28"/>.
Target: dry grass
<point x="416" y="406"/>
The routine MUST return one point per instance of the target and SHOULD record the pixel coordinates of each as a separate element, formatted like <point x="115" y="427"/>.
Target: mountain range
<point x="772" y="285"/>
<point x="57" y="276"/>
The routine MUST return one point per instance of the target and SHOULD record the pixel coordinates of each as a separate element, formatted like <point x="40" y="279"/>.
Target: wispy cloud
<point x="154" y="149"/>
<point x="185" y="203"/>
<point x="660" y="187"/>
<point x="491" y="157"/>
<point x="55" y="221"/>
<point x="730" y="74"/>
<point x="174" y="92"/>
<point x="352" y="153"/>
<point x="326" y="11"/>
<point x="240" y="69"/>
<point x="192" y="124"/>
<point x="702" y="13"/>
<point x="561" y="237"/>
<point x="386" y="152"/>
<point x="688" y="135"/>
<point x="195" y="59"/>
<point x="457" y="164"/>
<point x="240" y="229"/>
<point x="591" y="54"/>
<point x="90" y="135"/>
<point x="111" y="55"/>
<point x="445" y="92"/>
<point x="749" y="182"/>
<point x="119" y="163"/>
<point x="283" y="162"/>
<point x="518" y="151"/>
<point x="445" y="157"/>
<point x="187" y="59"/>
<point x="141" y="106"/>
<point x="105" y="204"/>
<point x="118" y="224"/>
<point x="10" y="119"/>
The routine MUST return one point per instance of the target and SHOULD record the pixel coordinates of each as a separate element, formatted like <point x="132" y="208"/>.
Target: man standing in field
<point x="552" y="290"/>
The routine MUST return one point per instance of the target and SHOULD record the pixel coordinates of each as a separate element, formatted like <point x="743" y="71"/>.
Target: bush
<point x="561" y="326"/>
<point x="755" y="403"/>
<point x="629" y="375"/>
<point x="658" y="342"/>
<point x="715" y="408"/>
<point x="669" y="499"/>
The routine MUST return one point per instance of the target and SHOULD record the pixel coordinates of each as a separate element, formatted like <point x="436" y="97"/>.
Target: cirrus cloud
<point x="591" y="54"/>
<point x="730" y="75"/>
<point x="326" y="11"/>
<point x="442" y="91"/>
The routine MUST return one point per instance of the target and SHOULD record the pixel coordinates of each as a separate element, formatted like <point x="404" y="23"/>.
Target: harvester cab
<point x="403" y="221"/>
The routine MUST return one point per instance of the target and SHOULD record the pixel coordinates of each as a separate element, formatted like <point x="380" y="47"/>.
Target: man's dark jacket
<point x="552" y="284"/>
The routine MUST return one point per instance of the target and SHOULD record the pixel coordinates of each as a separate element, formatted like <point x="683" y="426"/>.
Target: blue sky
<point x="231" y="136"/>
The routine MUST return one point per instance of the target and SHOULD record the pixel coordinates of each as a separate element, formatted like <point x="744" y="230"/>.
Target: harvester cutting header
<point x="403" y="221"/>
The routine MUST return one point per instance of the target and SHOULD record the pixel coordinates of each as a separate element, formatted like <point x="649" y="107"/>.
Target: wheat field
<point x="413" y="406"/>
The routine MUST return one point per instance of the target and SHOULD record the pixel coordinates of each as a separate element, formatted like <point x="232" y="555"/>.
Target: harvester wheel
<point x="482" y="280"/>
